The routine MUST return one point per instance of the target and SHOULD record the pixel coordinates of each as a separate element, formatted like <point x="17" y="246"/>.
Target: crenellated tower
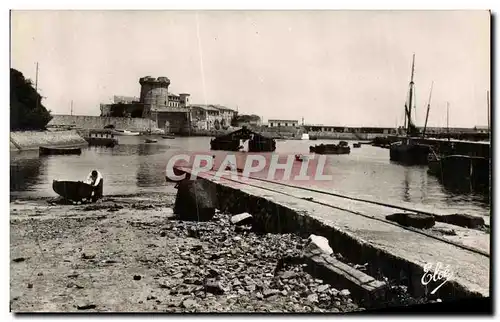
<point x="154" y="95"/>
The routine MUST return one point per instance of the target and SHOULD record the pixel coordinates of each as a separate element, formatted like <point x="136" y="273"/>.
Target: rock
<point x="19" y="259"/>
<point x="318" y="245"/>
<point x="242" y="219"/>
<point x="250" y="288"/>
<point x="74" y="275"/>
<point x="178" y="275"/>
<point x="259" y="295"/>
<point x="30" y="285"/>
<point x="189" y="303"/>
<point x="313" y="298"/>
<point x="288" y="275"/>
<point x="345" y="293"/>
<point x="416" y="220"/>
<point x="462" y="220"/>
<point x="196" y="200"/>
<point x="213" y="286"/>
<point x="270" y="292"/>
<point x="137" y="277"/>
<point x="237" y="238"/>
<point x="88" y="256"/>
<point x="323" y="288"/>
<point x="163" y="233"/>
<point x="85" y="306"/>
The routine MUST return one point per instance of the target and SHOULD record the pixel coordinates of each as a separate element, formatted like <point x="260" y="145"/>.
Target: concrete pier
<point x="360" y="232"/>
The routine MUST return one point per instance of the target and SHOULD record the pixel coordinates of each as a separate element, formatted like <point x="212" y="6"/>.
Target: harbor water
<point x="134" y="167"/>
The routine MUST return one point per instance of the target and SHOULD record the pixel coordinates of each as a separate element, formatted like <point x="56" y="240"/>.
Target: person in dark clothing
<point x="95" y="180"/>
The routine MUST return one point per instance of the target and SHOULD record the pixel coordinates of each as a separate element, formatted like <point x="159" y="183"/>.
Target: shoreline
<point x="130" y="254"/>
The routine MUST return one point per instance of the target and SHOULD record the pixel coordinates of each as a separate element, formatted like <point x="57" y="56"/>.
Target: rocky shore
<point x="129" y="254"/>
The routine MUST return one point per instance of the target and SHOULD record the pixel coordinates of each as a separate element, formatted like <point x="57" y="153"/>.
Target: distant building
<point x="211" y="117"/>
<point x="279" y="123"/>
<point x="172" y="112"/>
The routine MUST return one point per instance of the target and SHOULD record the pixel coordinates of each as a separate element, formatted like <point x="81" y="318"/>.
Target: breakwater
<point x="32" y="140"/>
<point x="99" y="122"/>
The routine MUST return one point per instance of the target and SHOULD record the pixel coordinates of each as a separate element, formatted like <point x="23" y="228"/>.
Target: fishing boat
<point x="125" y="133"/>
<point x="408" y="151"/>
<point x="72" y="190"/>
<point x="343" y="143"/>
<point x="150" y="140"/>
<point x="330" y="149"/>
<point x="43" y="150"/>
<point x="471" y="172"/>
<point x="101" y="138"/>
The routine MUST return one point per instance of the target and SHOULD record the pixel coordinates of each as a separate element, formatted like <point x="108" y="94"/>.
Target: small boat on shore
<point x="43" y="150"/>
<point x="330" y="149"/>
<point x="356" y="145"/>
<point x="168" y="137"/>
<point x="148" y="140"/>
<point x="72" y="190"/>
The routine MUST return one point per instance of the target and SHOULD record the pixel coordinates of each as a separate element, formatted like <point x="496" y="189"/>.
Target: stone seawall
<point x="98" y="122"/>
<point x="32" y="140"/>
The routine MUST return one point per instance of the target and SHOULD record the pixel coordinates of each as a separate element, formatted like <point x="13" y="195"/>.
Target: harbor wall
<point x="99" y="122"/>
<point x="32" y="140"/>
<point x="272" y="214"/>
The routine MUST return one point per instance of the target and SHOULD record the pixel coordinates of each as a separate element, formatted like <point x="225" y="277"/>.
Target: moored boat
<point x="356" y="145"/>
<point x="168" y="137"/>
<point x="43" y="150"/>
<point x="125" y="133"/>
<point x="149" y="140"/>
<point x="330" y="149"/>
<point x="72" y="190"/>
<point x="101" y="138"/>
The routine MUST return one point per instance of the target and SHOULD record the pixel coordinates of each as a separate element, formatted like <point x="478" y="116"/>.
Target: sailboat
<point x="408" y="151"/>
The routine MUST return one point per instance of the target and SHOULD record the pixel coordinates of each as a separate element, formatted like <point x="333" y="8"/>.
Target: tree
<point x="26" y="109"/>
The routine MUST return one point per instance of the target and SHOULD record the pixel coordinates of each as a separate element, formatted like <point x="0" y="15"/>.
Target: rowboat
<point x="43" y="150"/>
<point x="72" y="190"/>
<point x="151" y="140"/>
<point x="168" y="137"/>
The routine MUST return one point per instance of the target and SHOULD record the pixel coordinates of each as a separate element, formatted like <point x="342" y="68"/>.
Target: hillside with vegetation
<point x="26" y="109"/>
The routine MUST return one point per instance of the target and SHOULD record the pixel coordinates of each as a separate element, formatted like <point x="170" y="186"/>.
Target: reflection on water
<point x="134" y="166"/>
<point x="25" y="170"/>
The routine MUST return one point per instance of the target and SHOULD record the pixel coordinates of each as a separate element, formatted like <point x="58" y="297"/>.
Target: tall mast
<point x="72" y="107"/>
<point x="447" y="119"/>
<point x="428" y="108"/>
<point x="411" y="96"/>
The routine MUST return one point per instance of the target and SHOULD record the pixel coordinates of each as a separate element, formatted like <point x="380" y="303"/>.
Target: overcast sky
<point x="330" y="67"/>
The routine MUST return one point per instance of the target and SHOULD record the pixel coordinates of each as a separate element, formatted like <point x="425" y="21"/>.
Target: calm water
<point x="133" y="167"/>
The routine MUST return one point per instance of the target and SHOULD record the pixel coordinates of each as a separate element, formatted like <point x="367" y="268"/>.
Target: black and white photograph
<point x="250" y="161"/>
